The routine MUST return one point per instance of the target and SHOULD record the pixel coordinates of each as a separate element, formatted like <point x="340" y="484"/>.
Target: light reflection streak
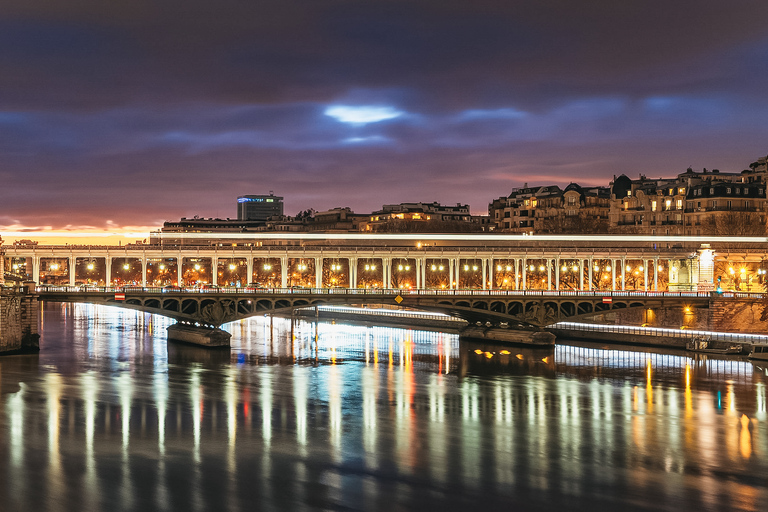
<point x="53" y="387"/>
<point x="160" y="388"/>
<point x="334" y="411"/>
<point x="300" y="398"/>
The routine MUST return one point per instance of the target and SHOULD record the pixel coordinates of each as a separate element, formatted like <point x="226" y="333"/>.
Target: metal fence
<point x="732" y="337"/>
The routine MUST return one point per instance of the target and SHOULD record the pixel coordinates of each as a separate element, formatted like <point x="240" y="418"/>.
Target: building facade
<point x="259" y="207"/>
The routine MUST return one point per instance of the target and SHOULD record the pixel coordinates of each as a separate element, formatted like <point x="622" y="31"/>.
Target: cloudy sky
<point x="129" y="113"/>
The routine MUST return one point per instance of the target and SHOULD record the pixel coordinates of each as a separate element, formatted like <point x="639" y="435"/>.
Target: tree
<point x="735" y="224"/>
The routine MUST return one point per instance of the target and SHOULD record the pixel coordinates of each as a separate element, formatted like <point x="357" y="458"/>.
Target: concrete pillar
<point x="249" y="270"/>
<point x="516" y="262"/>
<point x="645" y="275"/>
<point x="485" y="275"/>
<point x="387" y="272"/>
<point x="491" y="275"/>
<point x="36" y="269"/>
<point x="557" y="273"/>
<point x="284" y="272"/>
<point x="623" y="273"/>
<point x="581" y="274"/>
<point x="214" y="270"/>
<point x="656" y="274"/>
<point x="179" y="269"/>
<point x="525" y="269"/>
<point x="418" y="273"/>
<point x="108" y="278"/>
<point x="451" y="274"/>
<point x="71" y="265"/>
<point x="549" y="273"/>
<point x="318" y="272"/>
<point x="352" y="272"/>
<point x="613" y="275"/>
<point x="144" y="271"/>
<point x="589" y="277"/>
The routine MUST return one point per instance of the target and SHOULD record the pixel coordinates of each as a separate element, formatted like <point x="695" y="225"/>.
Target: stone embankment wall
<point x="721" y="315"/>
<point x="18" y="320"/>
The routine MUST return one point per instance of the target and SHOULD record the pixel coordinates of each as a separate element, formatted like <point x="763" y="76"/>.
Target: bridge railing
<point x="732" y="337"/>
<point x="86" y="289"/>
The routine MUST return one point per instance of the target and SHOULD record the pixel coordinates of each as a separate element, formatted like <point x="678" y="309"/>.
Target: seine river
<point x="108" y="417"/>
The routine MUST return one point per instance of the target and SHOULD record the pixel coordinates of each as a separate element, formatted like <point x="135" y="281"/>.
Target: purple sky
<point x="131" y="113"/>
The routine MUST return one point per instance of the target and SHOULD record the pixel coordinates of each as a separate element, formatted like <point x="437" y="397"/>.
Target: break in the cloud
<point x="144" y="111"/>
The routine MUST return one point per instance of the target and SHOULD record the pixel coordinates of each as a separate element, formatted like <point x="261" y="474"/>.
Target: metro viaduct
<point x="406" y="261"/>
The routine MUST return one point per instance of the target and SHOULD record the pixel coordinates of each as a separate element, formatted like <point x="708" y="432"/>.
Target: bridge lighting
<point x="55" y="266"/>
<point x="564" y="268"/>
<point x="596" y="267"/>
<point x="197" y="266"/>
<point x="498" y="268"/>
<point x="399" y="267"/>
<point x="15" y="266"/>
<point x="162" y="267"/>
<point x="441" y="268"/>
<point x="531" y="268"/>
<point x="90" y="266"/>
<point x="641" y="268"/>
<point x="509" y="268"/>
<point x="474" y="267"/>
<point x="541" y="268"/>
<point x="629" y="269"/>
<point x="407" y="267"/>
<point x="575" y="268"/>
<point x="267" y="266"/>
<point x="466" y="267"/>
<point x="731" y="271"/>
<point x="608" y="268"/>
<point x="232" y="266"/>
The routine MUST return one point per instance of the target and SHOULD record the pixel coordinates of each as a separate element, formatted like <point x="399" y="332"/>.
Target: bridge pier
<point x="502" y="335"/>
<point x="18" y="320"/>
<point x="200" y="336"/>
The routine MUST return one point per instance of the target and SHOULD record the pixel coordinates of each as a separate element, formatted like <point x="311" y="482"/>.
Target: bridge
<point x="530" y="310"/>
<point x="518" y="282"/>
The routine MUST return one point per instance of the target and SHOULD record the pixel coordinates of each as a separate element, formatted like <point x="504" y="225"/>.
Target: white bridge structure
<point x="403" y="261"/>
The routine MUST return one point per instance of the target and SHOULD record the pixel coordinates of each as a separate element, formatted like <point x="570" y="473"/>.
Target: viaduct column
<point x="249" y="269"/>
<point x="516" y="262"/>
<point x="214" y="270"/>
<point x="589" y="276"/>
<point x="490" y="273"/>
<point x="417" y="261"/>
<point x="284" y="272"/>
<point x="144" y="271"/>
<point x="352" y="272"/>
<point x="36" y="269"/>
<point x="581" y="273"/>
<point x="71" y="263"/>
<point x="549" y="273"/>
<point x="485" y="273"/>
<point x="319" y="272"/>
<point x="451" y="265"/>
<point x="656" y="274"/>
<point x="623" y="273"/>
<point x="108" y="278"/>
<point x="525" y="268"/>
<point x="613" y="275"/>
<point x="557" y="273"/>
<point x="645" y="275"/>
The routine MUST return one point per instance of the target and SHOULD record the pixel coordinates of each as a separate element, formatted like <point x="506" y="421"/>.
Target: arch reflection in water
<point x="332" y="416"/>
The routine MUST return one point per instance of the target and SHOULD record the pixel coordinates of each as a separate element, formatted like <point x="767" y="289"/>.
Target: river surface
<point x="303" y="416"/>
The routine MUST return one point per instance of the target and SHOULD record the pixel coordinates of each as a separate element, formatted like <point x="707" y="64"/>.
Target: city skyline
<point x="119" y="118"/>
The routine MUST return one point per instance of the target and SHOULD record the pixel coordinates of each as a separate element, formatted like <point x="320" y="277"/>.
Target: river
<point x="304" y="416"/>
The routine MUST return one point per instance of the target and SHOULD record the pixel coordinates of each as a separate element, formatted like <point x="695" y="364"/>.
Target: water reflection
<point x="309" y="415"/>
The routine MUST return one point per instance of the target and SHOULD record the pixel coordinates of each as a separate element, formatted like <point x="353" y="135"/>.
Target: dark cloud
<point x="155" y="110"/>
